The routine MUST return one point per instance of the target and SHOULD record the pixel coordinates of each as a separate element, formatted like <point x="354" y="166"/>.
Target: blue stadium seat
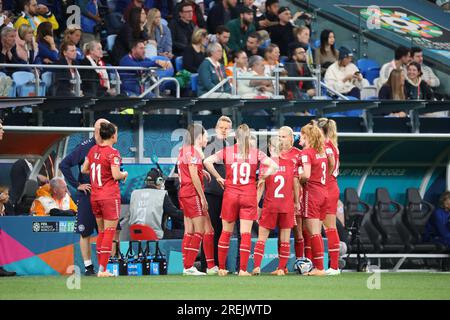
<point x="47" y="78"/>
<point x="283" y="59"/>
<point x="179" y="63"/>
<point x="25" y="83"/>
<point x="316" y="44"/>
<point x="194" y="82"/>
<point x="110" y="41"/>
<point x="369" y="68"/>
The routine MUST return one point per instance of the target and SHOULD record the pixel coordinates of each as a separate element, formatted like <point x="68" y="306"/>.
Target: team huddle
<point x="300" y="193"/>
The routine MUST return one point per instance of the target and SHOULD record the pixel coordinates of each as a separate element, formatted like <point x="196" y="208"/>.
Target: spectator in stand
<point x="240" y="60"/>
<point x="270" y="16"/>
<point x="8" y="53"/>
<point x="415" y="87"/>
<point x="444" y="4"/>
<point x="34" y="14"/>
<point x="240" y="29"/>
<point x="26" y="45"/>
<point x="159" y="34"/>
<point x="64" y="77"/>
<point x="95" y="82"/>
<point x="343" y="76"/>
<point x="297" y="67"/>
<point x="48" y="53"/>
<point x="166" y="7"/>
<point x="211" y="72"/>
<point x="133" y="82"/>
<point x="73" y="34"/>
<point x="252" y="45"/>
<point x="6" y="208"/>
<point x="223" y="37"/>
<point x="302" y="36"/>
<point x="437" y="229"/>
<point x="394" y="88"/>
<point x="197" y="12"/>
<point x="222" y="12"/>
<point x="400" y="61"/>
<point x="271" y="59"/>
<point x="91" y="22"/>
<point x="194" y="55"/>
<point x="6" y="18"/>
<point x="255" y="89"/>
<point x="182" y="29"/>
<point x="428" y="75"/>
<point x="249" y="4"/>
<point x="134" y="4"/>
<point x="282" y="34"/>
<point x="132" y="31"/>
<point x="327" y="53"/>
<point x="53" y="199"/>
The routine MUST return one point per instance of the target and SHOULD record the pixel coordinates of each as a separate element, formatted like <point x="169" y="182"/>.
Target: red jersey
<point x="240" y="173"/>
<point x="279" y="195"/>
<point x="101" y="159"/>
<point x="331" y="149"/>
<point x="189" y="156"/>
<point x="319" y="166"/>
<point x="293" y="154"/>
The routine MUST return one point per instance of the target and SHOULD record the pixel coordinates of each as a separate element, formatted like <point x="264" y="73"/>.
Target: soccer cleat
<point x="105" y="274"/>
<point x="316" y="272"/>
<point x="4" y="273"/>
<point x="279" y="272"/>
<point x="333" y="272"/>
<point x="243" y="273"/>
<point x="89" y="271"/>
<point x="256" y="271"/>
<point x="192" y="271"/>
<point x="222" y="272"/>
<point x="213" y="271"/>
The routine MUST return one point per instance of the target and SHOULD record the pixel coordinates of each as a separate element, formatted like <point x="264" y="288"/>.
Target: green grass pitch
<point x="346" y="286"/>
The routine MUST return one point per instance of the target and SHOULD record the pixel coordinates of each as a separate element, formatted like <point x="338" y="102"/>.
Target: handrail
<point x="340" y="95"/>
<point x="160" y="81"/>
<point x="217" y="86"/>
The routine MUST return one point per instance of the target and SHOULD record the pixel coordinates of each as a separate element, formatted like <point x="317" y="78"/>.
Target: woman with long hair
<point x="193" y="202"/>
<point x="329" y="130"/>
<point x="103" y="166"/>
<point x="73" y="34"/>
<point x="240" y="197"/>
<point x="159" y="34"/>
<point x="394" y="88"/>
<point x="48" y="53"/>
<point x="313" y="179"/>
<point x="26" y="45"/>
<point x="327" y="53"/>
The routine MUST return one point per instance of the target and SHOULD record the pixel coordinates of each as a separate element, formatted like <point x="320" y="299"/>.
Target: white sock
<point x="87" y="263"/>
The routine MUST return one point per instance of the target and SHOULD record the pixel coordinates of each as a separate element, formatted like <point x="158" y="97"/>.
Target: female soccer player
<point x="329" y="130"/>
<point x="314" y="177"/>
<point x="193" y="201"/>
<point x="239" y="199"/>
<point x="103" y="166"/>
<point x="278" y="209"/>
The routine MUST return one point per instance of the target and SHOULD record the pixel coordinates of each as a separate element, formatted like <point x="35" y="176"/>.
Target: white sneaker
<point x="192" y="271"/>
<point x="333" y="272"/>
<point x="213" y="271"/>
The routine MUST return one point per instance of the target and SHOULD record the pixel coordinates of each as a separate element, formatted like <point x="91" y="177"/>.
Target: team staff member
<point x="85" y="218"/>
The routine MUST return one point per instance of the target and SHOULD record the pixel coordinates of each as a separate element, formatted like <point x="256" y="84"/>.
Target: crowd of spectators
<point x="140" y="33"/>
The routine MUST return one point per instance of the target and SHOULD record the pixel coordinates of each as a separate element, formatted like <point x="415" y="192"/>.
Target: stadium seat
<point x="316" y="44"/>
<point x="369" y="68"/>
<point x="28" y="196"/>
<point x="283" y="59"/>
<point x="110" y="41"/>
<point x="359" y="214"/>
<point x="179" y="63"/>
<point x="368" y="91"/>
<point x="194" y="82"/>
<point x="142" y="232"/>
<point x="25" y="82"/>
<point x="47" y="78"/>
<point x="389" y="217"/>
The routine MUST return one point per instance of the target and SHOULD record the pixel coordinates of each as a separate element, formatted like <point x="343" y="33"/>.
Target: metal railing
<point x="77" y="81"/>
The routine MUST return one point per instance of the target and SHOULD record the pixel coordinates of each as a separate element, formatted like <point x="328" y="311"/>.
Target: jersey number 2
<point x="277" y="193"/>
<point x="96" y="172"/>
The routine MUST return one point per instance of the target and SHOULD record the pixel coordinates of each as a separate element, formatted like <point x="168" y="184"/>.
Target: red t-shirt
<point x="101" y="159"/>
<point x="319" y="166"/>
<point x="241" y="173"/>
<point x="279" y="195"/>
<point x="294" y="154"/>
<point x="331" y="149"/>
<point x="189" y="155"/>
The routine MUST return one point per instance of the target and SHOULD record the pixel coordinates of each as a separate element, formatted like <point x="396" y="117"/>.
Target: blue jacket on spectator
<point x="164" y="39"/>
<point x="208" y="77"/>
<point x="45" y="52"/>
<point x="437" y="229"/>
<point x="131" y="80"/>
<point x="87" y="6"/>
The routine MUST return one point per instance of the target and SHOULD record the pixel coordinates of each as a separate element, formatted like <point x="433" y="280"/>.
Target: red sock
<point x="192" y="249"/>
<point x="106" y="248"/>
<point x="317" y="251"/>
<point x="258" y="253"/>
<point x="283" y="255"/>
<point x="244" y="250"/>
<point x="307" y="239"/>
<point x="299" y="246"/>
<point x="208" y="248"/>
<point x="333" y="247"/>
<point x="186" y="240"/>
<point x="222" y="250"/>
<point x="98" y="245"/>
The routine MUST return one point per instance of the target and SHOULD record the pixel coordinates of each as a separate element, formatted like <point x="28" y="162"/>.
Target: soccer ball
<point x="303" y="265"/>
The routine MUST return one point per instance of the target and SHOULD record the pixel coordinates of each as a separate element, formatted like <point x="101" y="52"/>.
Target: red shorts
<point x="271" y="220"/>
<point x="192" y="207"/>
<point x="239" y="206"/>
<point x="333" y="197"/>
<point x="314" y="204"/>
<point x="106" y="209"/>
